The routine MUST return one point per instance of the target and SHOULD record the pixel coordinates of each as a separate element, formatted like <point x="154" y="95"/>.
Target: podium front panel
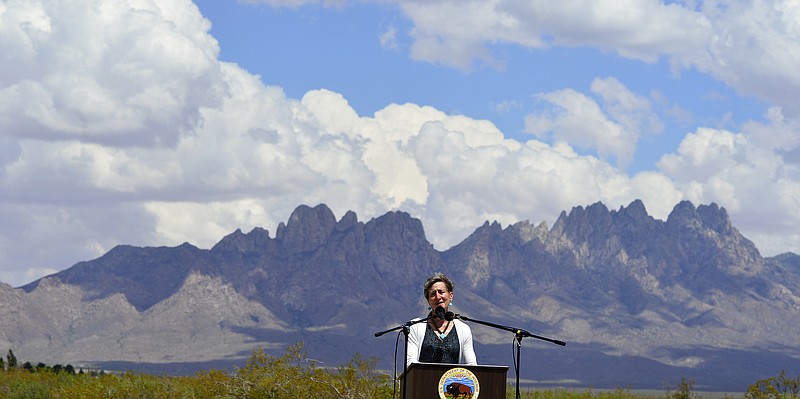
<point x="421" y="380"/>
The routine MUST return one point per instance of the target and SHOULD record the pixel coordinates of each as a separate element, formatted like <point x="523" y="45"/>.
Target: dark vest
<point x="440" y="350"/>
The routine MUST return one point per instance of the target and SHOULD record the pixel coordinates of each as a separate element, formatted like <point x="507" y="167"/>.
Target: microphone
<point x="441" y="314"/>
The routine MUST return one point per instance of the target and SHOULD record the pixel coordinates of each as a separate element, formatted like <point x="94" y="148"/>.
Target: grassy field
<point x="293" y="376"/>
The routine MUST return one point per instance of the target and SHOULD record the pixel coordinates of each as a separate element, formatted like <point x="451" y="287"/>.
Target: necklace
<point x="442" y="333"/>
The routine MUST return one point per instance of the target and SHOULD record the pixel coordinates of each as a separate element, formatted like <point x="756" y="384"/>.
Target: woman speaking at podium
<point x="440" y="340"/>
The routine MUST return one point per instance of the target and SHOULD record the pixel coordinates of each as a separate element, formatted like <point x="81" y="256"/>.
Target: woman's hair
<point x="438" y="277"/>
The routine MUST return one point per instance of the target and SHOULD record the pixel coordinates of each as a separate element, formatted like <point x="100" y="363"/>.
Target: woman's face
<point x="439" y="296"/>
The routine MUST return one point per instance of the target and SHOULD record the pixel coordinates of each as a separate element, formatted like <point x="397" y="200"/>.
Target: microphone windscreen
<point x="439" y="312"/>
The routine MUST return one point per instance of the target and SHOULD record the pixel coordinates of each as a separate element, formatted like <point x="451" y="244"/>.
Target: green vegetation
<point x="290" y="376"/>
<point x="684" y="390"/>
<point x="572" y="394"/>
<point x="780" y="387"/>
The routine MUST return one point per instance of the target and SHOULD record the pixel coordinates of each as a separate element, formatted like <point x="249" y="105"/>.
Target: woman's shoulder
<point x="461" y="324"/>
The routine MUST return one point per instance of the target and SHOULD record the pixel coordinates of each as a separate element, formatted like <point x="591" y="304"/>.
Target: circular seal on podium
<point x="459" y="383"/>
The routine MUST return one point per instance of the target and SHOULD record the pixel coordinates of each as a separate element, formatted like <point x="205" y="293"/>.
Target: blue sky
<point x="155" y="123"/>
<point x="339" y="48"/>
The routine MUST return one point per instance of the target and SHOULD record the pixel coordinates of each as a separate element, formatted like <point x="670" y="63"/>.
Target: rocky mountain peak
<point x="683" y="214"/>
<point x="254" y="241"/>
<point x="635" y="211"/>
<point x="710" y="225"/>
<point x="595" y="235"/>
<point x="348" y="221"/>
<point x="307" y="229"/>
<point x="581" y="224"/>
<point x="715" y="218"/>
<point x="398" y="228"/>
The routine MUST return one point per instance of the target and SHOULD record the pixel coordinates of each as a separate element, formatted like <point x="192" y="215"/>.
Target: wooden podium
<point x="422" y="380"/>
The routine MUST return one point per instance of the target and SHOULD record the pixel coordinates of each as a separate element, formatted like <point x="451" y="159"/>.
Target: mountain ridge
<point x="615" y="284"/>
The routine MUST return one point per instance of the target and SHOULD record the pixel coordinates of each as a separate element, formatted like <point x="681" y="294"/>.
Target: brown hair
<point x="436" y="278"/>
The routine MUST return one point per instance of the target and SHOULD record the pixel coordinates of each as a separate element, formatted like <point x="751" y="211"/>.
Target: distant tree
<point x="28" y="366"/>
<point x="41" y="367"/>
<point x="57" y="368"/>
<point x="12" y="359"/>
<point x="69" y="369"/>
<point x="2" y="364"/>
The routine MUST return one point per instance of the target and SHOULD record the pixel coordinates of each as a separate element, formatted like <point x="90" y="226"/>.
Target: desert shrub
<point x="20" y="383"/>
<point x="217" y="384"/>
<point x="294" y="375"/>
<point x="684" y="390"/>
<point x="780" y="387"/>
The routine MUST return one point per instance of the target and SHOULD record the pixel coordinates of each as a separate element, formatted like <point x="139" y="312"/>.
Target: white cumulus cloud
<point x="611" y="124"/>
<point x="122" y="126"/>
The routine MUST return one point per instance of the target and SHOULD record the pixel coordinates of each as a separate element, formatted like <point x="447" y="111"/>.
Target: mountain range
<point x="640" y="302"/>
